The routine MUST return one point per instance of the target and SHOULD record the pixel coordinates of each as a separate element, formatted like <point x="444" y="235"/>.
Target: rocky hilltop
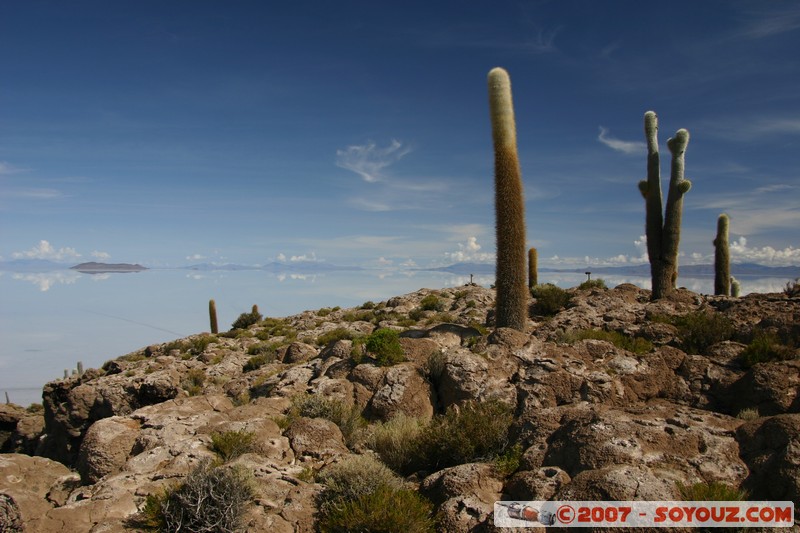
<point x="613" y="397"/>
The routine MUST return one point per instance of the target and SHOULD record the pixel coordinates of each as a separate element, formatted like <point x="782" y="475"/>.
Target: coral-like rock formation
<point x="595" y="415"/>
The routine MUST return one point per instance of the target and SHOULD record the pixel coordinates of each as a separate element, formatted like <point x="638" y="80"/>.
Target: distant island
<point x="103" y="268"/>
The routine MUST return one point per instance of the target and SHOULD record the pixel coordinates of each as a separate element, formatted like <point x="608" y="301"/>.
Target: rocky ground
<point x="594" y="421"/>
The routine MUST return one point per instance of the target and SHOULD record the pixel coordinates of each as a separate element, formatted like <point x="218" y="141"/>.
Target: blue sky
<point x="357" y="133"/>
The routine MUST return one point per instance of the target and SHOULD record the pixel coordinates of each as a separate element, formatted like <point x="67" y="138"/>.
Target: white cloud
<point x="369" y="160"/>
<point x="766" y="255"/>
<point x="195" y="257"/>
<point x="305" y="257"/>
<point x="469" y="251"/>
<point x="626" y="147"/>
<point x="44" y="250"/>
<point x="382" y="261"/>
<point x="37" y="193"/>
<point x="102" y="256"/>
<point x="408" y="263"/>
<point x="281" y="257"/>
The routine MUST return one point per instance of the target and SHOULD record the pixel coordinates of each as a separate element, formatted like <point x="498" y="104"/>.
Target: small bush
<point x="257" y="361"/>
<point x="715" y="491"/>
<point x="229" y="445"/>
<point x="431" y="303"/>
<point x="325" y="311"/>
<point x="198" y="345"/>
<point x="211" y="499"/>
<point x="368" y="305"/>
<point x="748" y="413"/>
<point x="508" y="462"/>
<point x="194" y="381"/>
<point x="435" y="365"/>
<point x="765" y="348"/>
<point x="361" y="494"/>
<point x="347" y="417"/>
<point x="384" y="345"/>
<point x="593" y="284"/>
<point x="395" y="441"/>
<point x="701" y="329"/>
<point x="636" y="345"/>
<point x="245" y="320"/>
<point x="384" y="510"/>
<point x="792" y="288"/>
<point x="550" y="299"/>
<point x="337" y="334"/>
<point x="476" y="431"/>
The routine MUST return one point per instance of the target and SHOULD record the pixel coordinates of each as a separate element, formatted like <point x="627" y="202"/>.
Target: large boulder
<point x="106" y="447"/>
<point x="404" y="390"/>
<point x="316" y="437"/>
<point x="771" y="448"/>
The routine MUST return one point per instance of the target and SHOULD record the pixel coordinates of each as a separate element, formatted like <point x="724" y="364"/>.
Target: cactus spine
<point x="533" y="268"/>
<point x="212" y="315"/>
<point x="722" y="258"/>
<point x="663" y="232"/>
<point x="512" y="296"/>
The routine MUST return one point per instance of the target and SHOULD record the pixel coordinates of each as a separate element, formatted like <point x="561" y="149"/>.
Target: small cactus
<point x="722" y="258"/>
<point x="212" y="314"/>
<point x="533" y="268"/>
<point x="663" y="230"/>
<point x="512" y="295"/>
<point x="80" y="368"/>
<point x="736" y="287"/>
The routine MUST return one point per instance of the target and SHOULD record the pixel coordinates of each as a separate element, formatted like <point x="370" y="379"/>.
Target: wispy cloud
<point x="46" y="280"/>
<point x="626" y="147"/>
<point x="102" y="256"/>
<point x="771" y="22"/>
<point x="44" y="250"/>
<point x="8" y="168"/>
<point x="369" y="160"/>
<point x="35" y="193"/>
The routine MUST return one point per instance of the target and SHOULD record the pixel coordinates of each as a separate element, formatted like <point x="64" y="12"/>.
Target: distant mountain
<point x="104" y="268"/>
<point x="689" y="271"/>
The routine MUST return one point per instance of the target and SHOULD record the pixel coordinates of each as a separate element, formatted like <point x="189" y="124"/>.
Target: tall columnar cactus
<point x="533" y="268"/>
<point x="663" y="232"/>
<point x="212" y="315"/>
<point x="722" y="258"/>
<point x="512" y="294"/>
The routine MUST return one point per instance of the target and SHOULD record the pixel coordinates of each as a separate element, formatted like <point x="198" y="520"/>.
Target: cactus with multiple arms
<point x="722" y="258"/>
<point x="512" y="295"/>
<point x="663" y="231"/>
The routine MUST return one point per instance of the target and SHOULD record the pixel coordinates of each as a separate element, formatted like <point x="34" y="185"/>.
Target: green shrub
<point x="384" y="510"/>
<point x="416" y="314"/>
<point x="636" y="345"/>
<point x="198" y="345"/>
<point x="714" y="491"/>
<point x="337" y="334"/>
<point x="700" y="329"/>
<point x="368" y="305"/>
<point x="593" y="284"/>
<point x="194" y="381"/>
<point x="431" y="303"/>
<point x="361" y="494"/>
<point x="764" y="348"/>
<point x="549" y="299"/>
<point x="435" y="366"/>
<point x="508" y="462"/>
<point x="748" y="413"/>
<point x="347" y="417"/>
<point x="475" y="431"/>
<point x="257" y="361"/>
<point x="245" y="320"/>
<point x="229" y="445"/>
<point x="395" y="441"/>
<point x="211" y="499"/>
<point x="325" y="311"/>
<point x="384" y="345"/>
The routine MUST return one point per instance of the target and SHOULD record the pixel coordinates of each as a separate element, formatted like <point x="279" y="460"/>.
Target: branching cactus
<point x="512" y="294"/>
<point x="212" y="314"/>
<point x="722" y="258"/>
<point x="663" y="232"/>
<point x="533" y="268"/>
